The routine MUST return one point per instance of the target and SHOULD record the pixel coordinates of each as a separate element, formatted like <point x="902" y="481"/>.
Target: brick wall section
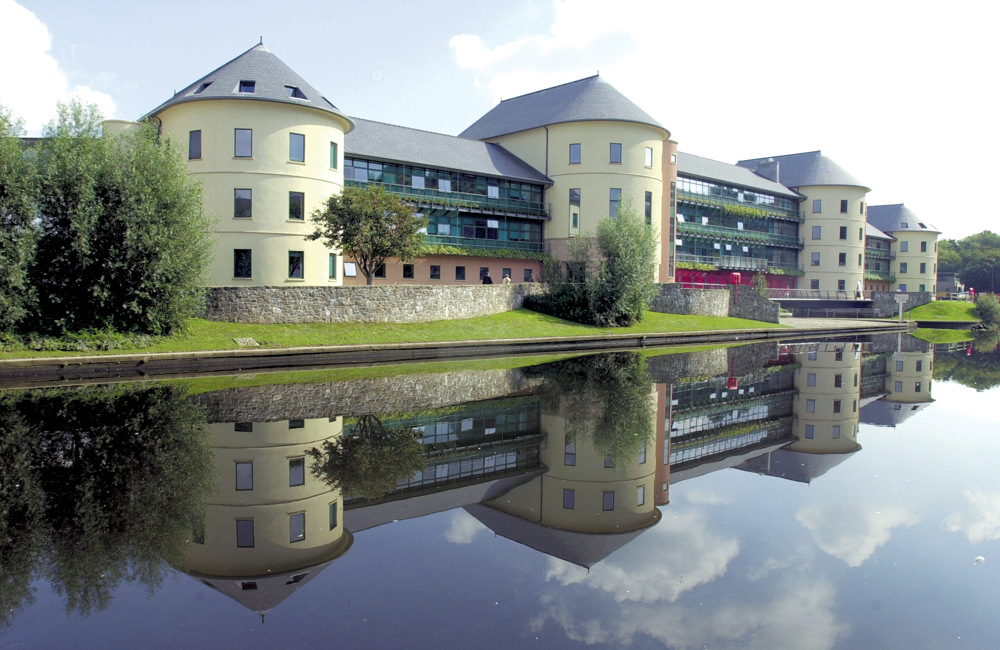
<point x="884" y="302"/>
<point x="380" y="396"/>
<point x="744" y="303"/>
<point x="364" y="304"/>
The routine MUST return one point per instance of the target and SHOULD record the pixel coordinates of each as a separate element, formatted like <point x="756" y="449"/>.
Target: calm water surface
<point x="821" y="495"/>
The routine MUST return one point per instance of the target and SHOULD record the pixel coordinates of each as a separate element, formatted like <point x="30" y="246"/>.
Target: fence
<point x="833" y="313"/>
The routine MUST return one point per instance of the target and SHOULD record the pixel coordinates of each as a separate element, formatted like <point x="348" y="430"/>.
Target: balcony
<point x="739" y="208"/>
<point x="735" y="234"/>
<point x="474" y="203"/>
<point x="883" y="253"/>
<point x="492" y="244"/>
<point x="879" y="276"/>
<point x="740" y="263"/>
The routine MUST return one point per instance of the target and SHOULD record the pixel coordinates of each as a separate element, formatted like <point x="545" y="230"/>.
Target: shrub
<point x="18" y="191"/>
<point x="989" y="309"/>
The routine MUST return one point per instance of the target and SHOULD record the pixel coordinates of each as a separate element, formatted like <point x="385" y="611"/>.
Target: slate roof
<point x="883" y="413"/>
<point x="578" y="101"/>
<point x="891" y="218"/>
<point x="872" y="231"/>
<point x="797" y="466"/>
<point x="271" y="78"/>
<point x="807" y="169"/>
<point x="388" y="142"/>
<point x="692" y="166"/>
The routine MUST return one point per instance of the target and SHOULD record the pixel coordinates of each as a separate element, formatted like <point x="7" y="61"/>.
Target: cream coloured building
<point x="915" y="245"/>
<point x="827" y="406"/>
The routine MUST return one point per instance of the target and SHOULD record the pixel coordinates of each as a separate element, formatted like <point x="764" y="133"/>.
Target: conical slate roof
<point x="796" y="466"/>
<point x="807" y="169"/>
<point x="273" y="81"/>
<point x="897" y="217"/>
<point x="578" y="101"/>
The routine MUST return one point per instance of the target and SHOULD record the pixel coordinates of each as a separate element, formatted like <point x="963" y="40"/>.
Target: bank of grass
<point x="943" y="335"/>
<point x="945" y="311"/>
<point x="209" y="335"/>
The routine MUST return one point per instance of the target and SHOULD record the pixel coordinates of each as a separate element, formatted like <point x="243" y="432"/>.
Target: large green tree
<point x="125" y="242"/>
<point x="370" y="224"/>
<point x="18" y="193"/>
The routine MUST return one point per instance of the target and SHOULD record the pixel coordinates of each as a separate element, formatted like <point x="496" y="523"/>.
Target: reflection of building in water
<point x="826" y="410"/>
<point x="270" y="526"/>
<point x="907" y="373"/>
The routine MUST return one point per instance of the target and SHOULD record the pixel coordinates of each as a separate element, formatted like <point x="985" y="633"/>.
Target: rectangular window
<point x="242" y="204"/>
<point x="334" y="160"/>
<point x="855" y="406"/>
<point x="923" y="247"/>
<point x="814" y="284"/>
<point x="459" y="272"/>
<point x="902" y="288"/>
<point x="296" y="147"/>
<point x="435" y="272"/>
<point x="861" y="234"/>
<point x="247" y="86"/>
<point x="333" y="515"/>
<point x="815" y="259"/>
<point x="649" y="208"/>
<point x="244" y="143"/>
<point x="902" y="267"/>
<point x="855" y="380"/>
<point x="407" y="271"/>
<point x="295" y="265"/>
<point x="809" y="431"/>
<point x="296" y="206"/>
<point x="380" y="271"/>
<point x="843" y="208"/>
<point x="817" y="232"/>
<point x="813" y="355"/>
<point x="528" y="275"/>
<point x="862" y="206"/>
<point x="296" y="424"/>
<point x="904" y="246"/>
<point x="640" y="496"/>
<point x="569" y="499"/>
<point x="569" y="457"/>
<point x="838" y="381"/>
<point x="842" y="259"/>
<point x="244" y="476"/>
<point x="899" y="366"/>
<point x="836" y="406"/>
<point x="243" y="427"/>
<point x="810" y="406"/>
<point x="836" y="431"/>
<point x="609" y="462"/>
<point x="296" y="472"/>
<point x="194" y="145"/>
<point x="859" y="259"/>
<point x="838" y="355"/>
<point x="609" y="501"/>
<point x="574" y="154"/>
<point x="811" y="379"/>
<point x="843" y="232"/>
<point x="616" y="152"/>
<point x="923" y="269"/>
<point x="297" y="527"/>
<point x="244" y="533"/>
<point x="574" y="207"/>
<point x="916" y="387"/>
<point x="333" y="266"/>
<point x="841" y="285"/>
<point x="483" y="272"/>
<point x="920" y="366"/>
<point x="899" y="387"/>
<point x="649" y="156"/>
<point x="242" y="263"/>
<point x="616" y="197"/>
<point x="817" y="206"/>
<point x="642" y="454"/>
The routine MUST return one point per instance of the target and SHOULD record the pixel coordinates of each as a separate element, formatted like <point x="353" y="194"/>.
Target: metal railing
<point x="736" y="263"/>
<point x="817" y="294"/>
<point x="770" y="211"/>
<point x="880" y="252"/>
<point x="736" y="234"/>
<point x="473" y="242"/>
<point x="460" y="199"/>
<point x="833" y="313"/>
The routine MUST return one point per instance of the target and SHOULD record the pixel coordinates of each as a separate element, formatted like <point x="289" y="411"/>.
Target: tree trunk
<point x="369" y="278"/>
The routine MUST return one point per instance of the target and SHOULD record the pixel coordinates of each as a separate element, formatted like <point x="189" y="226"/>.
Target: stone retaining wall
<point x="364" y="304"/>
<point x="884" y="302"/>
<point x="741" y="303"/>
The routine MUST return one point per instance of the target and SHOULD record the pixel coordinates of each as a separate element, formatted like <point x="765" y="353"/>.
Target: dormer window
<point x="293" y="91"/>
<point x="202" y="88"/>
<point x="922" y="226"/>
<point x="904" y="225"/>
<point x="247" y="86"/>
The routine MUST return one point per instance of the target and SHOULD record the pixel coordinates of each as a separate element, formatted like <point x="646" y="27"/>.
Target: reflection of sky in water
<point x="877" y="552"/>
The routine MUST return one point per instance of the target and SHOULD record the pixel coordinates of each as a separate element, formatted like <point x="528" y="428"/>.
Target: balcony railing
<point x="880" y="252"/>
<point x="879" y="276"/>
<point x="735" y="234"/>
<point x="817" y="294"/>
<point x="737" y="263"/>
<point x="738" y="208"/>
<point x="462" y="200"/>
<point x="492" y="244"/>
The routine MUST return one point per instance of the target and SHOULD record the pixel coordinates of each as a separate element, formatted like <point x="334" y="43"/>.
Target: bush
<point x="989" y="308"/>
<point x="18" y="190"/>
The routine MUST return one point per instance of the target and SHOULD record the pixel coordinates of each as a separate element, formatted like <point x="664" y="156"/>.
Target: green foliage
<point x="606" y="399"/>
<point x="370" y="461"/>
<point x="98" y="486"/>
<point x="989" y="309"/>
<point x="124" y="241"/>
<point x="980" y="371"/>
<point x="85" y="341"/>
<point x="959" y="255"/>
<point x="370" y="224"/>
<point x="609" y="279"/>
<point x="18" y="196"/>
<point x="759" y="285"/>
<point x="982" y="274"/>
<point x="695" y="266"/>
<point x="470" y="251"/>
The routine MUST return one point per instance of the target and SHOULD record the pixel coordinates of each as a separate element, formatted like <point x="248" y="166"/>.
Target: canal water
<point x="828" y="494"/>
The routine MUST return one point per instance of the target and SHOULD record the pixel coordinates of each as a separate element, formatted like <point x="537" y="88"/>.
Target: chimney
<point x="767" y="168"/>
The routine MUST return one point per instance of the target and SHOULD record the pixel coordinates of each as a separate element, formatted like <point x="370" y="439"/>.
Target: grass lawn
<point x="943" y="336"/>
<point x="945" y="311"/>
<point x="209" y="335"/>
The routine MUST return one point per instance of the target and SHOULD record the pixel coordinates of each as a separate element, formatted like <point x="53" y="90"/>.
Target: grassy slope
<point x="945" y="311"/>
<point x="943" y="336"/>
<point x="208" y="335"/>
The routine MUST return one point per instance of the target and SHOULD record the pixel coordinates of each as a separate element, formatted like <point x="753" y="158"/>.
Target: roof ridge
<point x="542" y="90"/>
<point x="784" y="155"/>
<point x="410" y="128"/>
<point x="260" y="45"/>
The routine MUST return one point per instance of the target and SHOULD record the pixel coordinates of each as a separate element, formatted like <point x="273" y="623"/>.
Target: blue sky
<point x="900" y="96"/>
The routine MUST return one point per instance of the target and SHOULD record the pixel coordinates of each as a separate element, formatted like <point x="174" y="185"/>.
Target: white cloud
<point x="707" y="498"/>
<point x="686" y="555"/>
<point x="31" y="81"/>
<point x="853" y="533"/>
<point x="981" y="521"/>
<point x="463" y="529"/>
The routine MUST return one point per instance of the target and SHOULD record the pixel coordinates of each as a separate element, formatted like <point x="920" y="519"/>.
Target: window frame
<point x="298" y="462"/>
<point x="649" y="157"/>
<point x="244" y="521"/>
<point x="817" y="206"/>
<point x="249" y="253"/>
<point x="291" y="147"/>
<point x="302" y="265"/>
<point x="236" y="144"/>
<point x="611" y="155"/>
<point x="614" y="201"/>
<point x="191" y="141"/>
<point x="334" y="156"/>
<point x="333" y="266"/>
<point x="302" y="206"/>
<point x="579" y="153"/>
<point x="843" y="206"/>
<point x="291" y="527"/>
<point x="237" y="199"/>
<point x="249" y="463"/>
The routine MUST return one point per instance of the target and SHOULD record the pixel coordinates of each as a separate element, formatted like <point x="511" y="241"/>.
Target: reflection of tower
<point x="826" y="410"/>
<point x="270" y="526"/>
<point x="908" y="377"/>
<point x="586" y="505"/>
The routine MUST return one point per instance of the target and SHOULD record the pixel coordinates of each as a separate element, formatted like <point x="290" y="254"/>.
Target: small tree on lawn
<point x="370" y="224"/>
